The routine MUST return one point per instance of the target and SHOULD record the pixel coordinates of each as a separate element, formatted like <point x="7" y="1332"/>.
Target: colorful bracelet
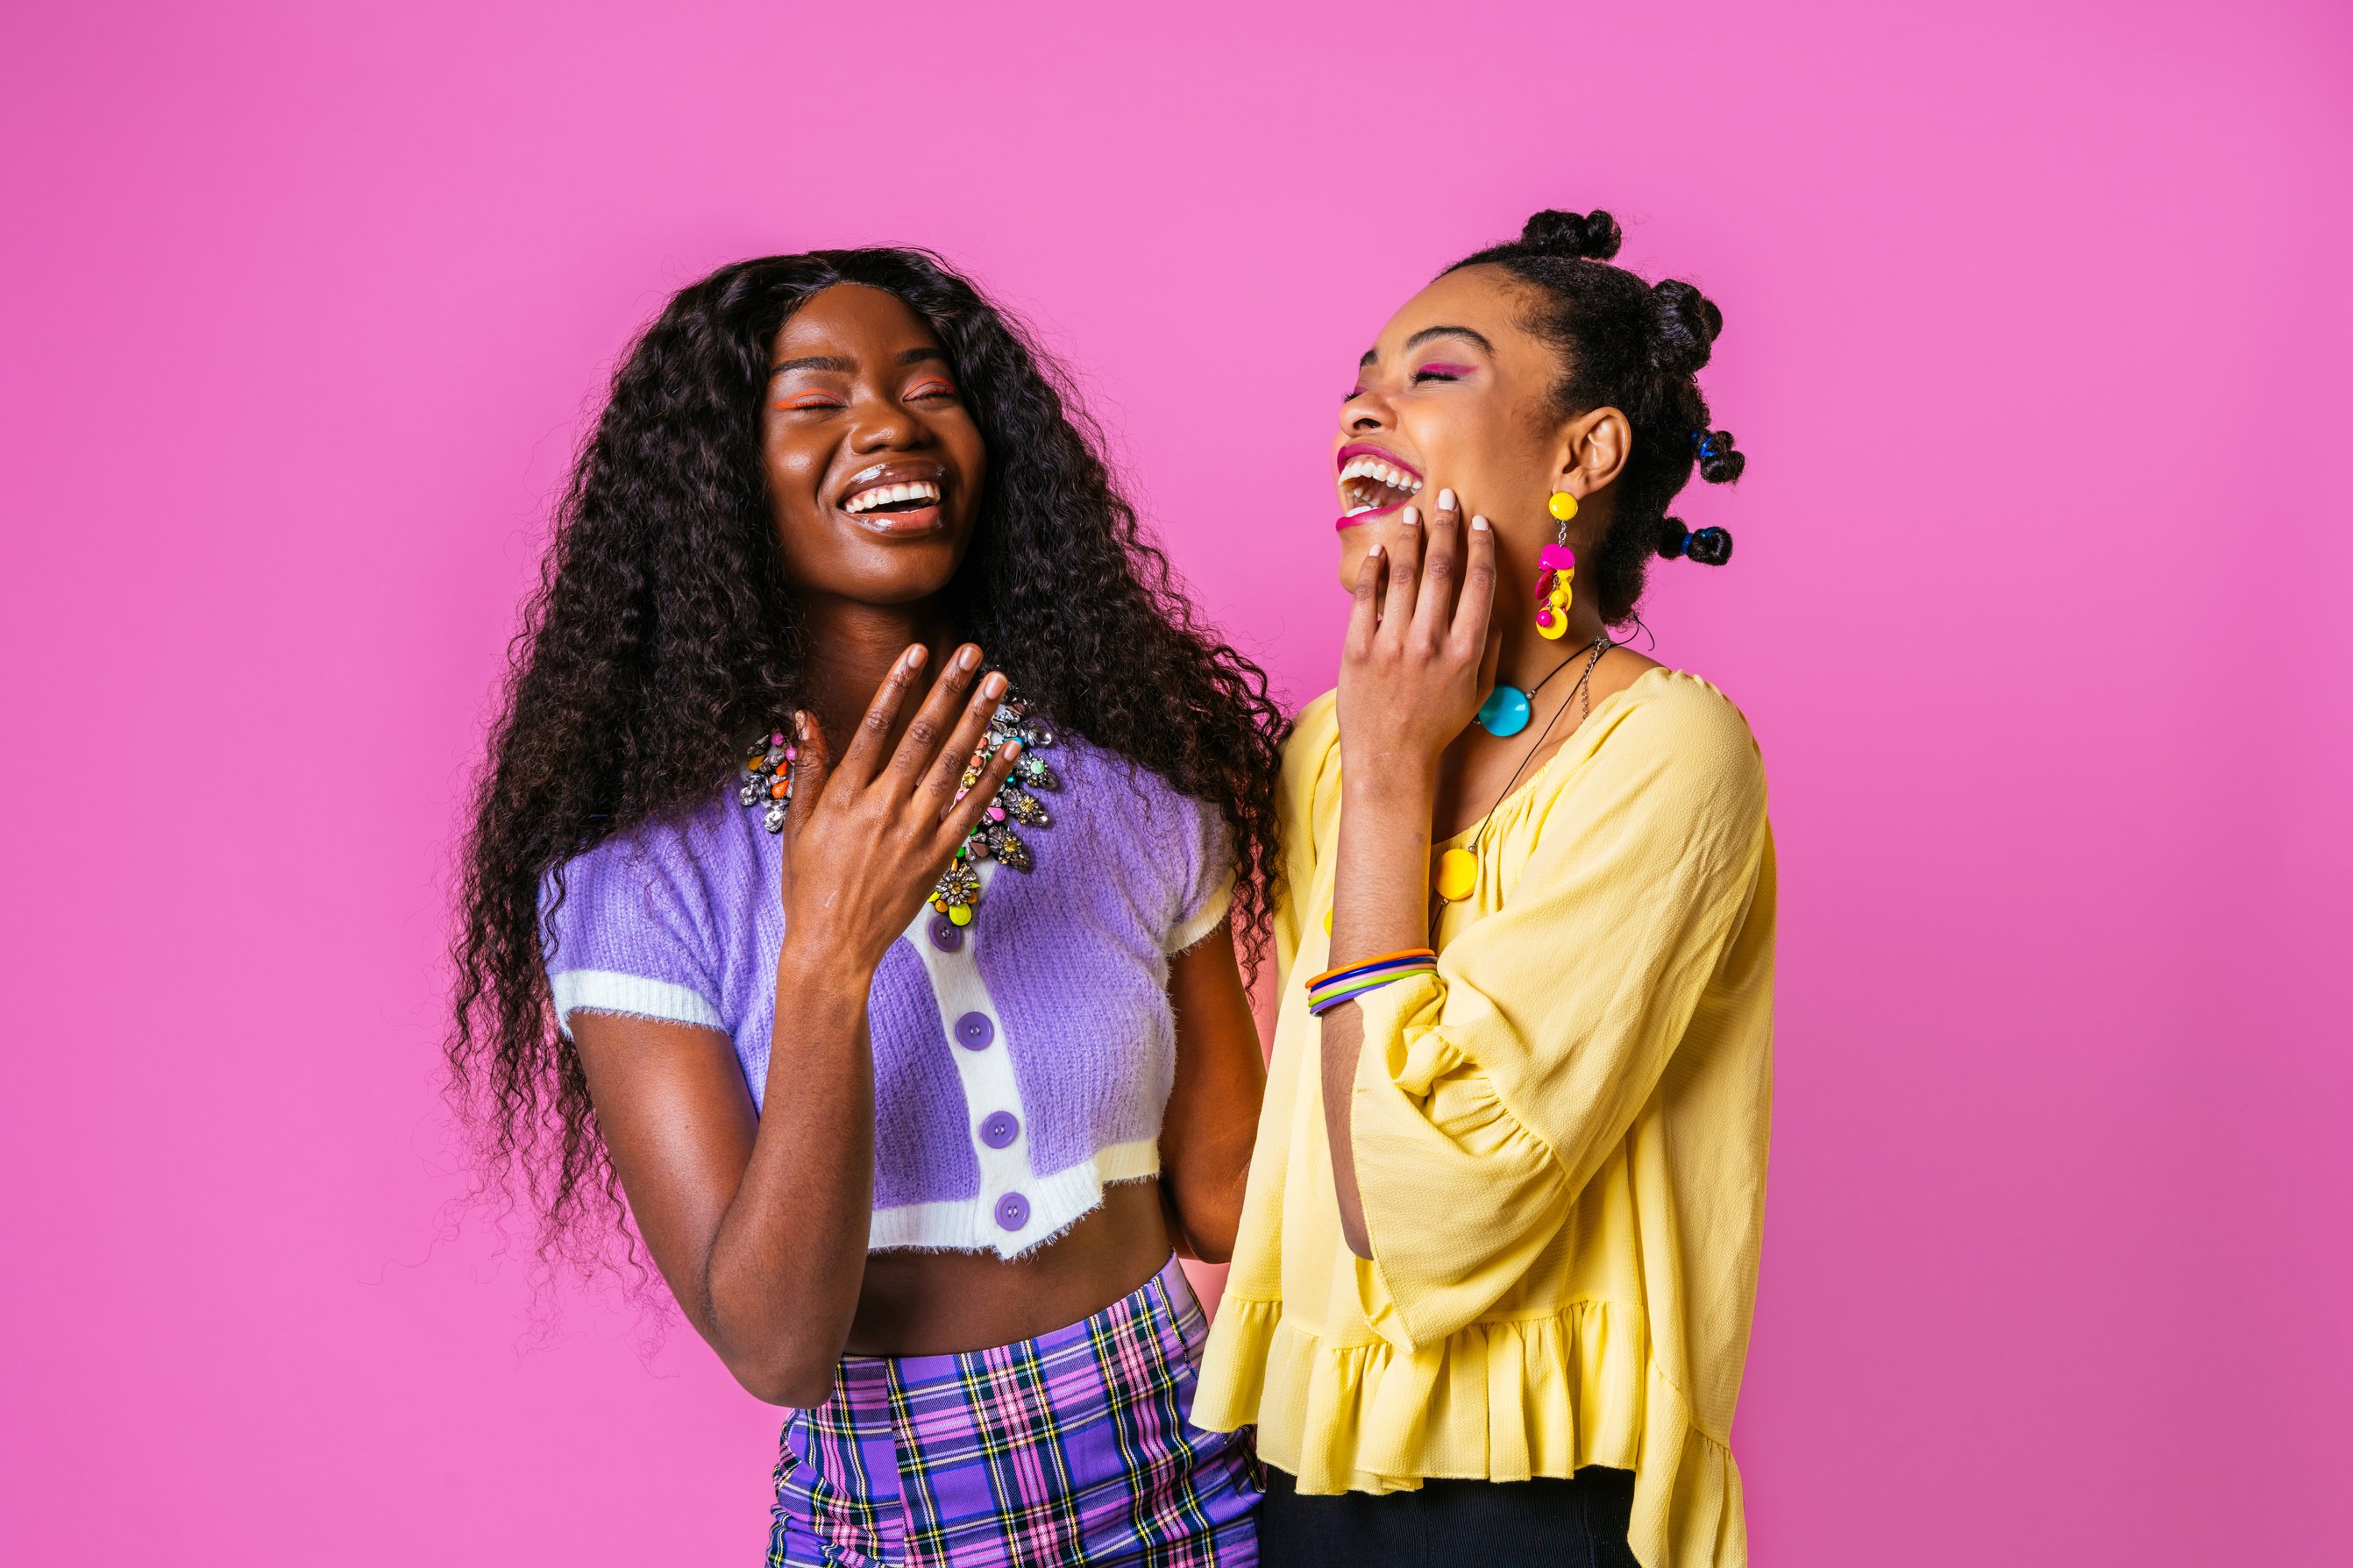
<point x="1334" y="987"/>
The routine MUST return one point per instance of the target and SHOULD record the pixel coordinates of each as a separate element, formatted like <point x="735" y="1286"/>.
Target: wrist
<point x="817" y="967"/>
<point x="1404" y="784"/>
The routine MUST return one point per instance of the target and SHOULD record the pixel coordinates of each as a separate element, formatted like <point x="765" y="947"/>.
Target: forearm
<point x="788" y="1260"/>
<point x="1380" y="904"/>
<point x="1210" y="1123"/>
<point x="1204" y="1211"/>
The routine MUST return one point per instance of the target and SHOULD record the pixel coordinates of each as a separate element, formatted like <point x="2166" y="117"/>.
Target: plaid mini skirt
<point x="1071" y="1449"/>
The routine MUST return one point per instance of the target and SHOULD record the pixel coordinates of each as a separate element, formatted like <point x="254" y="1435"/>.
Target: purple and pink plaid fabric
<point x="1071" y="1449"/>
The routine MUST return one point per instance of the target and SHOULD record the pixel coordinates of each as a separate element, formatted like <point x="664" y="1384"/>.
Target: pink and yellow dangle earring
<point x="1556" y="572"/>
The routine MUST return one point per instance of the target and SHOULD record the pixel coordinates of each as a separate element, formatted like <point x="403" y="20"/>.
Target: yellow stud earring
<point x="1563" y="506"/>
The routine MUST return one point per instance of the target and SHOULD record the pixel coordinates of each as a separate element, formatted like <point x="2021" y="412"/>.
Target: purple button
<point x="974" y="1031"/>
<point x="1012" y="1211"/>
<point x="999" y="1130"/>
<point x="946" y="935"/>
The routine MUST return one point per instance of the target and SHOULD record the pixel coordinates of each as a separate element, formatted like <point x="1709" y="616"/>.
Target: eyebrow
<point x="1423" y="336"/>
<point x="849" y="366"/>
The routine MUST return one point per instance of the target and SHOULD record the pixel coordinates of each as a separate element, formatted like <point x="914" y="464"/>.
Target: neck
<point x="851" y="647"/>
<point x="1528" y="656"/>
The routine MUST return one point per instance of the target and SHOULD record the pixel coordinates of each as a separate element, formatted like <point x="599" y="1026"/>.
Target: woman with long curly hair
<point x="853" y="889"/>
<point x="1492" y="1294"/>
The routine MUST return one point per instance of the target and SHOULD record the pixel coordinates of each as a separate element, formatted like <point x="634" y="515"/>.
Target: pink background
<point x="2038" y="339"/>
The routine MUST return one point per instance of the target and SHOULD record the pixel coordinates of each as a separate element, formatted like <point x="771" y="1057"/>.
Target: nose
<point x="1366" y="412"/>
<point x="885" y="425"/>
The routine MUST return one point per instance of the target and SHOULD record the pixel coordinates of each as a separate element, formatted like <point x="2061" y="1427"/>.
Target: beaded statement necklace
<point x="768" y="788"/>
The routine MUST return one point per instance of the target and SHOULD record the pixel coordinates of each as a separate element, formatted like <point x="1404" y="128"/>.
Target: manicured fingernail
<point x="1012" y="750"/>
<point x="1371" y="551"/>
<point x="994" y="687"/>
<point x="915" y="656"/>
<point x="966" y="657"/>
<point x="1479" y="525"/>
<point x="1411" y="517"/>
<point x="1446" y="501"/>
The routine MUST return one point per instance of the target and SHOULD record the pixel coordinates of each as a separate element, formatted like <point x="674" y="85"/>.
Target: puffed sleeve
<point x="628" y="926"/>
<point x="1488" y="1095"/>
<point x="1207" y="889"/>
<point x="1311" y="772"/>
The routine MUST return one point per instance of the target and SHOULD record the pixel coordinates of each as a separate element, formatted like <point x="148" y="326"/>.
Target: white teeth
<point x="1378" y="473"/>
<point x="883" y="495"/>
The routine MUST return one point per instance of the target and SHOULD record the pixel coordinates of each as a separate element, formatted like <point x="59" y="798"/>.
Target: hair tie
<point x="1709" y="546"/>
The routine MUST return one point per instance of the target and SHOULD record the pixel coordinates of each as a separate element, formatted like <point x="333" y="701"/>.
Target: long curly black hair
<point x="664" y="632"/>
<point x="1637" y="347"/>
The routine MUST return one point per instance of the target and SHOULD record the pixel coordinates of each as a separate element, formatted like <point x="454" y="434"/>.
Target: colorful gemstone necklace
<point x="769" y="787"/>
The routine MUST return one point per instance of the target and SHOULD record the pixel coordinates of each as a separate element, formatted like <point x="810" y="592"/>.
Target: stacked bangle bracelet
<point x="1334" y="987"/>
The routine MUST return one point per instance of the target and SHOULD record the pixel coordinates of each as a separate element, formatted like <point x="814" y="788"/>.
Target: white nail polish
<point x="1479" y="525"/>
<point x="1371" y="551"/>
<point x="1446" y="501"/>
<point x="1411" y="517"/>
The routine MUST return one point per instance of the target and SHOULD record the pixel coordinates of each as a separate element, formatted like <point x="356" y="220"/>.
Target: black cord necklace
<point x="1457" y="873"/>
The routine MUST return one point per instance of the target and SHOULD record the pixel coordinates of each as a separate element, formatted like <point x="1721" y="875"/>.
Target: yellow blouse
<point x="1560" y="1140"/>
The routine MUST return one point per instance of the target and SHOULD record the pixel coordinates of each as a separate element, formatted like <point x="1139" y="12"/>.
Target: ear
<point x="1594" y="448"/>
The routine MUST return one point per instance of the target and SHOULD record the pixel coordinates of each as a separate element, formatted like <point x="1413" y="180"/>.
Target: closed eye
<point x="811" y="400"/>
<point x="1354" y="393"/>
<point x="932" y="388"/>
<point x="1442" y="373"/>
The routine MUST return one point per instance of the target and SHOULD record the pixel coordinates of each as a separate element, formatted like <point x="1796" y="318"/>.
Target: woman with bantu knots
<point x="1491" y="1295"/>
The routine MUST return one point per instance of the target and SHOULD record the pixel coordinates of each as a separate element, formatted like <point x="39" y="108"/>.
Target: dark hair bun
<point x="1708" y="546"/>
<point x="1684" y="333"/>
<point x="1719" y="462"/>
<point x="1586" y="236"/>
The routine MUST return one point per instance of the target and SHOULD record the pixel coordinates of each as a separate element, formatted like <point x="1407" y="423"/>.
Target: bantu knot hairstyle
<point x="1639" y="348"/>
<point x="1719" y="463"/>
<point x="1709" y="546"/>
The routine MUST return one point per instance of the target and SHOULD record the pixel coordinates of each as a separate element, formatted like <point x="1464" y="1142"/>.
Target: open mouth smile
<point x="1374" y="481"/>
<point x="895" y="498"/>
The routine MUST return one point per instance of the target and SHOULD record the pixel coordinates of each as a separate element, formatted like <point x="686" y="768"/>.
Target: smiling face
<point x="874" y="462"/>
<point x="1456" y="393"/>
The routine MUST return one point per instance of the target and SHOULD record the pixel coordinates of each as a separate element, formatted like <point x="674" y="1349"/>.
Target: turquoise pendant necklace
<point x="1505" y="712"/>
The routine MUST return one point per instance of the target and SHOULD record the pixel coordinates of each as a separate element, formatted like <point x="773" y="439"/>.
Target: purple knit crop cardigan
<point x="1021" y="1063"/>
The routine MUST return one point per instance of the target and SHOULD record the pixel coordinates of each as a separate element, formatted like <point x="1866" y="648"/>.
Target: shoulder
<point x="1313" y="749"/>
<point x="1683" y="731"/>
<point x="1313" y="735"/>
<point x="1131" y="803"/>
<point x="1166" y="853"/>
<point x="692" y="856"/>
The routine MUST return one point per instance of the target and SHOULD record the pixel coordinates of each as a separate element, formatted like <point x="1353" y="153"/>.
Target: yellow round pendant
<point x="1562" y="505"/>
<point x="1458" y="875"/>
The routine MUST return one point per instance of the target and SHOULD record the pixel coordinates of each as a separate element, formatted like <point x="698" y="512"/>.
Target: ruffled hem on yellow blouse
<point x="1502" y="1401"/>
